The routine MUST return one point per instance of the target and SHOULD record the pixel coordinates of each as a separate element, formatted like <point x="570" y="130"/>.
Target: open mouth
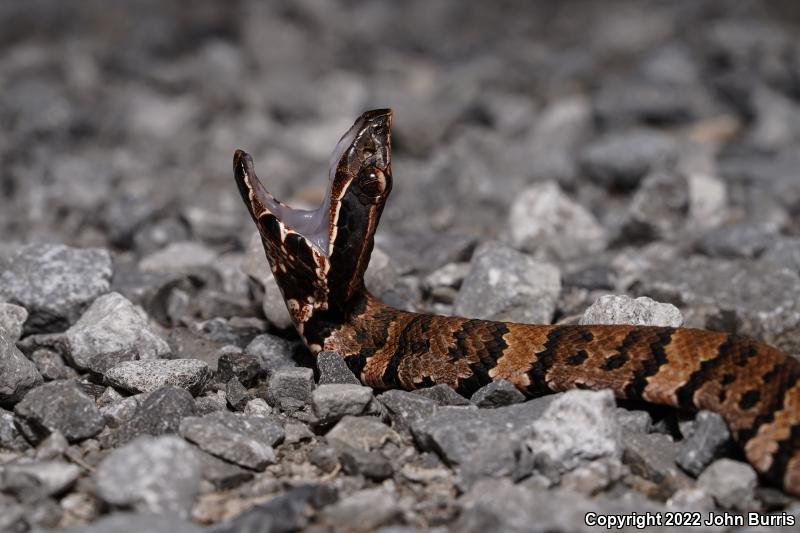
<point x="312" y="224"/>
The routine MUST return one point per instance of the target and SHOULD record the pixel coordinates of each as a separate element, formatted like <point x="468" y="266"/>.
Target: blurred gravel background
<point x="545" y="154"/>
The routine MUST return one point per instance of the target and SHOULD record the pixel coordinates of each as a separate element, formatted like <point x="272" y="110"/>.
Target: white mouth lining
<point x="312" y="224"/>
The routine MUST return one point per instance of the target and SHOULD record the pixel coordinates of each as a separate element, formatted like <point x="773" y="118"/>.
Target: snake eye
<point x="372" y="182"/>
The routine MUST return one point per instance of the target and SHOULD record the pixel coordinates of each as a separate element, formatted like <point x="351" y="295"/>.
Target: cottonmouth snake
<point x="318" y="258"/>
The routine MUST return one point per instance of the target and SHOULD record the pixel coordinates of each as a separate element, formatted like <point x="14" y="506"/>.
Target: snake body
<point x="319" y="257"/>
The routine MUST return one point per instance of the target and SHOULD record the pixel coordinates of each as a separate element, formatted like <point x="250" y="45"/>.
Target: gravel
<point x="160" y="413"/>
<point x="333" y="369"/>
<point x="333" y="401"/>
<point x="731" y="484"/>
<point x="243" y="440"/>
<point x="147" y="376"/>
<point x="18" y="374"/>
<point x="290" y="386"/>
<point x="642" y="311"/>
<point x="12" y="318"/>
<point x="504" y="284"/>
<point x="707" y="439"/>
<point x="546" y="222"/>
<point x="582" y="156"/>
<point x="112" y="330"/>
<point x="621" y="160"/>
<point x="58" y="406"/>
<point x="577" y="427"/>
<point x="54" y="283"/>
<point x="498" y="393"/>
<point x="159" y="475"/>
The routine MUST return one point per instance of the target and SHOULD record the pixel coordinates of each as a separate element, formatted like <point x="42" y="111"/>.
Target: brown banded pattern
<point x="755" y="387"/>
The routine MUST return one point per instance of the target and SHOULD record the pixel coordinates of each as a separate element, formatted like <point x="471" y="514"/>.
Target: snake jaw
<point x="318" y="256"/>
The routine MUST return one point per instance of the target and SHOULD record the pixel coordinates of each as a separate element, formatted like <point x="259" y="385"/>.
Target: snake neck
<point x="347" y="328"/>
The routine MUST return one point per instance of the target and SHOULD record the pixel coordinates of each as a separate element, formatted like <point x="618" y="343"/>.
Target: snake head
<point x="319" y="256"/>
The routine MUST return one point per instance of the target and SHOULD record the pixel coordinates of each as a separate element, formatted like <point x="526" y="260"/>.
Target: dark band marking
<point x="543" y="361"/>
<point x="614" y="362"/>
<point x="730" y="348"/>
<point x="486" y="357"/>
<point x="782" y="456"/>
<point x="650" y="366"/>
<point x="407" y="344"/>
<point x="577" y="359"/>
<point x="787" y="377"/>
<point x="750" y="399"/>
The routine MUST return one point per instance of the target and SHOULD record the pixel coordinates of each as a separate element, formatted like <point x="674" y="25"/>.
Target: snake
<point x="318" y="258"/>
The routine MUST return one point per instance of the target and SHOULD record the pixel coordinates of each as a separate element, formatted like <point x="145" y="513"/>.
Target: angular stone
<point x="381" y="275"/>
<point x="621" y="160"/>
<point x="110" y="331"/>
<point x="371" y="464"/>
<point x="236" y="394"/>
<point x="296" y="432"/>
<point x="257" y="407"/>
<point x="245" y="367"/>
<point x="659" y="208"/>
<point x="333" y="369"/>
<point x="10" y="437"/>
<point x="158" y="414"/>
<point x="361" y="433"/>
<point x="502" y="505"/>
<point x="634" y="421"/>
<point x="235" y="331"/>
<point x="12" y="319"/>
<point x="53" y="447"/>
<point x="443" y="395"/>
<point x="246" y="441"/>
<point x="116" y="414"/>
<point x="731" y="483"/>
<point x="642" y="311"/>
<point x="426" y="251"/>
<point x="58" y="406"/>
<point x="744" y="240"/>
<point x="284" y="513"/>
<point x="159" y="475"/>
<point x="53" y="477"/>
<point x="450" y="276"/>
<point x="18" y="374"/>
<point x="222" y="474"/>
<point x="121" y="523"/>
<point x="333" y="401"/>
<point x="545" y="221"/>
<point x="54" y="283"/>
<point x="651" y="456"/>
<point x="691" y="499"/>
<point x="211" y="403"/>
<point x="576" y="428"/>
<point x="290" y="383"/>
<point x="147" y="376"/>
<point x="708" y="200"/>
<point x="498" y="393"/>
<point x="51" y="365"/>
<point x="326" y="458"/>
<point x="759" y="300"/>
<point x="364" y="510"/>
<point x="506" y="285"/>
<point x="708" y="440"/>
<point x="784" y="252"/>
<point x="480" y="442"/>
<point x="272" y="352"/>
<point x="178" y="257"/>
<point x="406" y="408"/>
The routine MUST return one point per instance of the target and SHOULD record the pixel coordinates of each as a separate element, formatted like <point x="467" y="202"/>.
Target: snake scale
<point x="318" y="258"/>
